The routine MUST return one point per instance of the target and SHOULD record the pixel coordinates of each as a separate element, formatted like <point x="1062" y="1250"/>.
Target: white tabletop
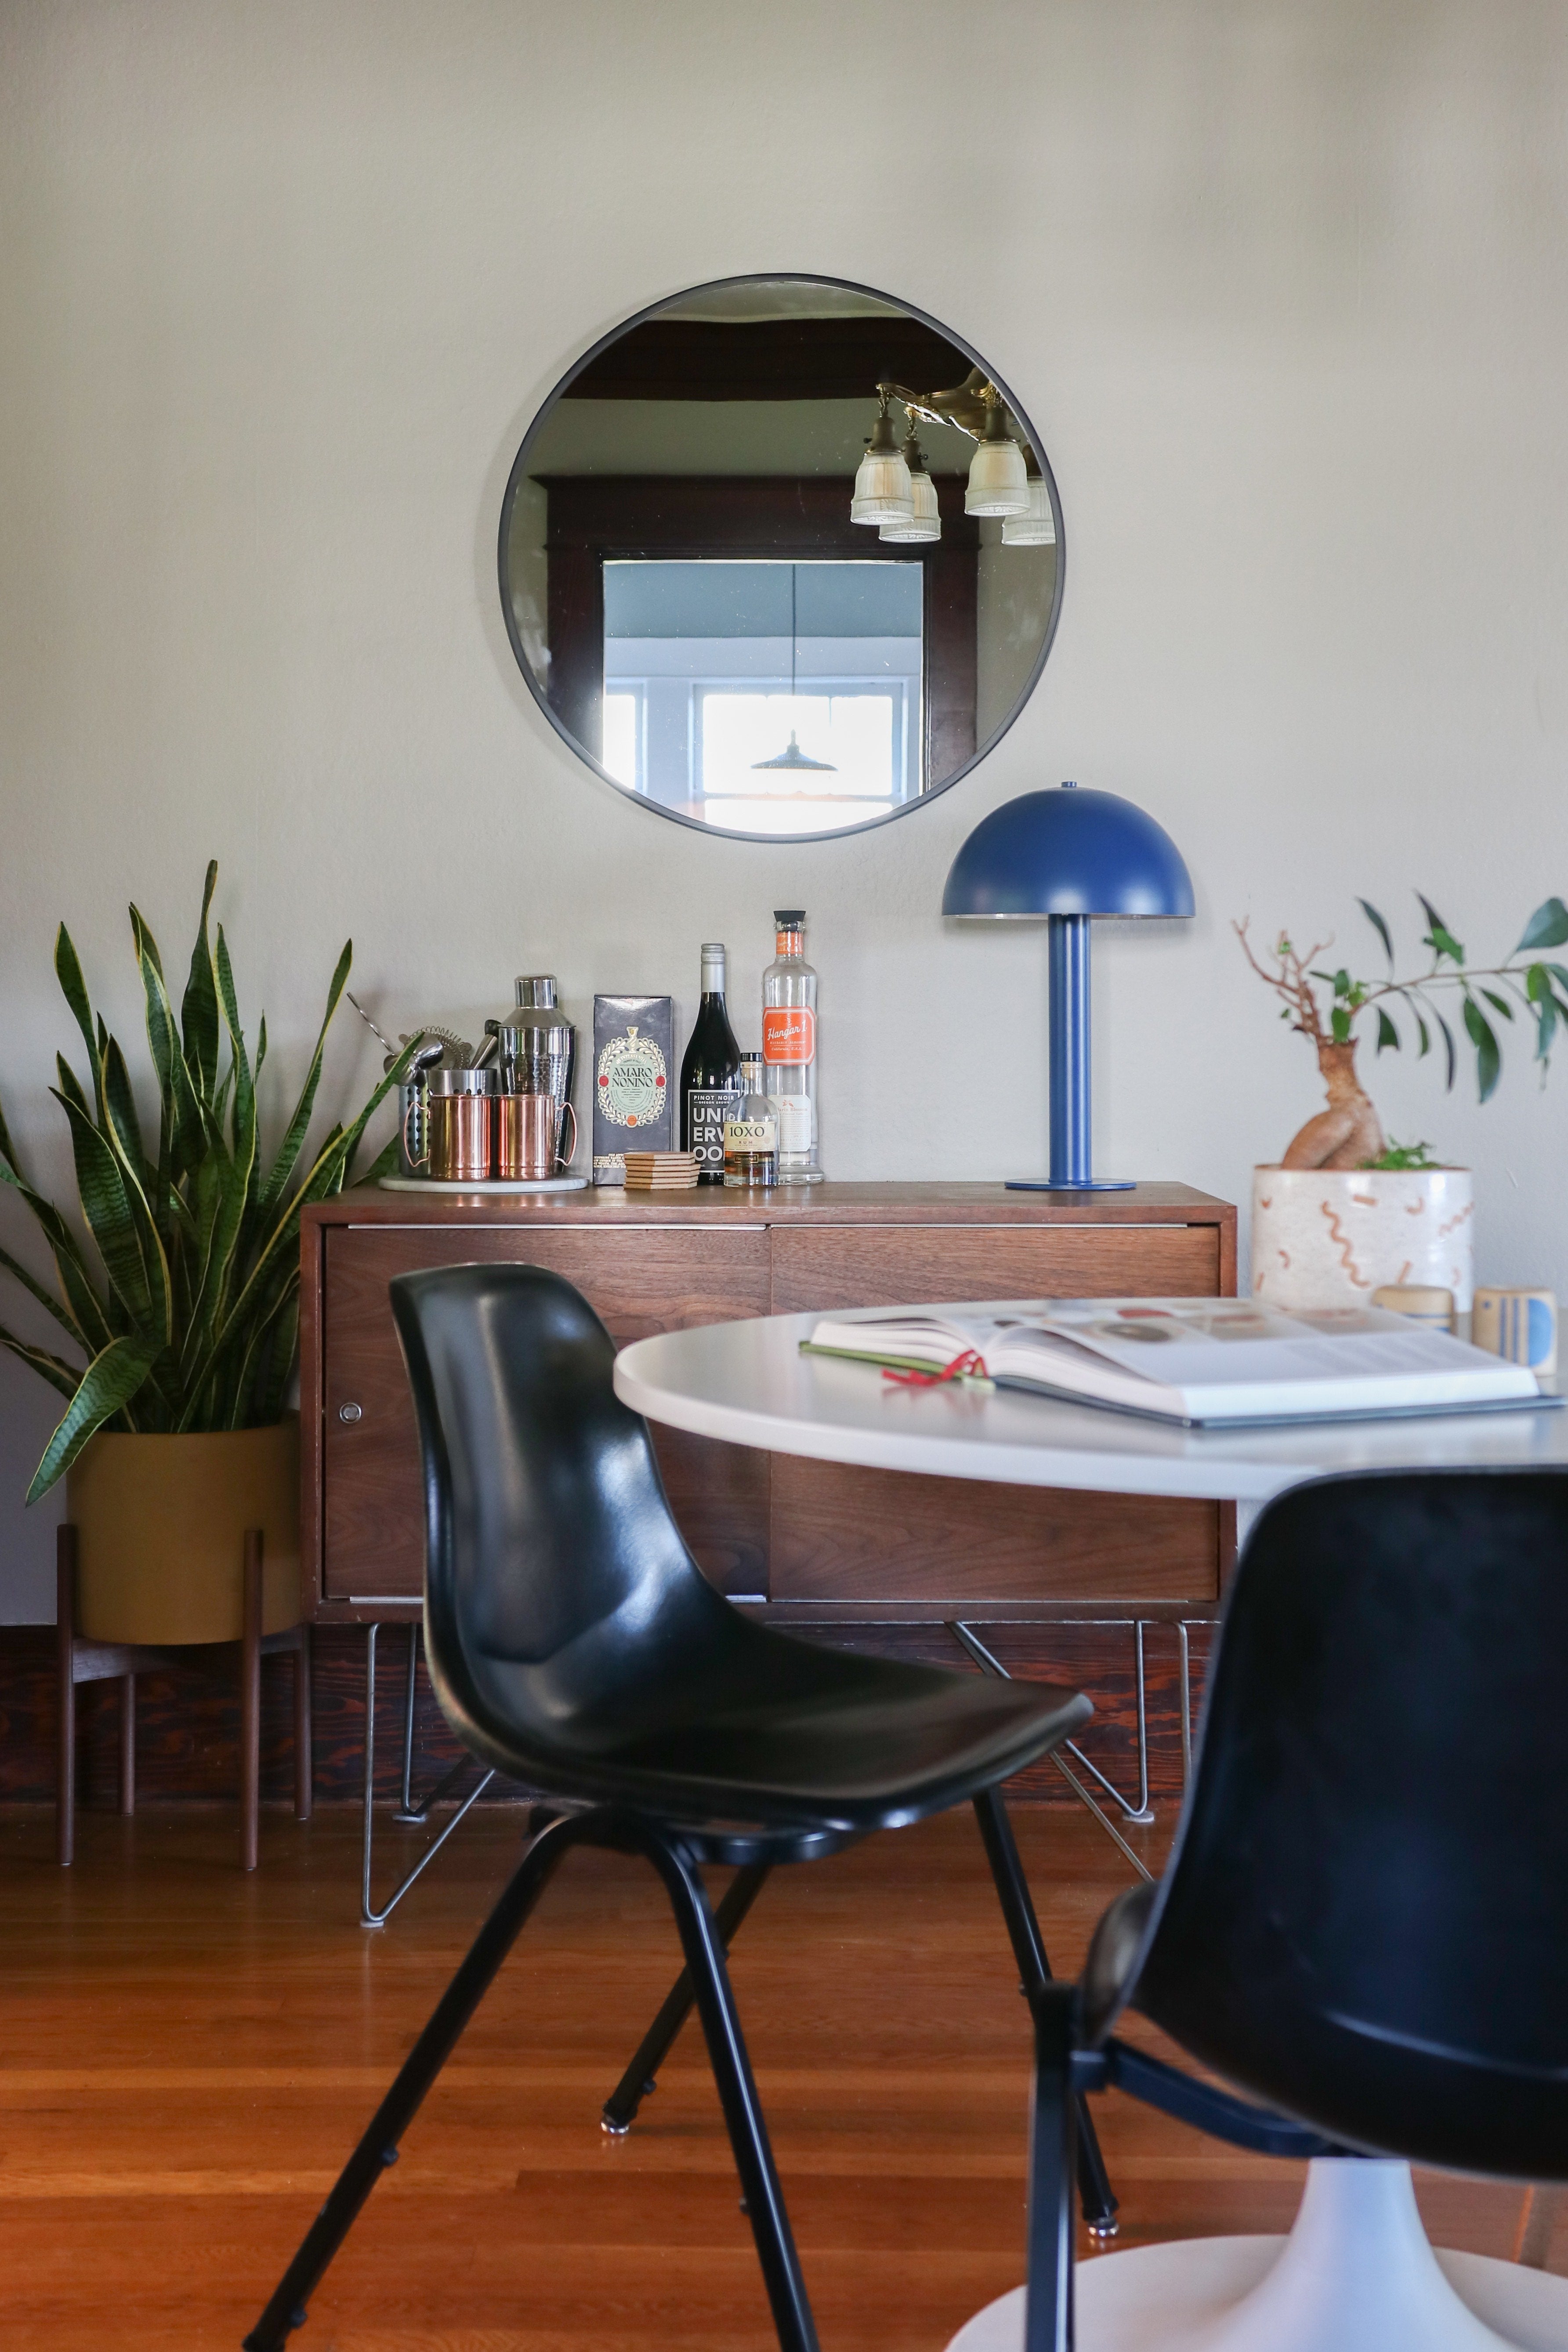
<point x="748" y="1382"/>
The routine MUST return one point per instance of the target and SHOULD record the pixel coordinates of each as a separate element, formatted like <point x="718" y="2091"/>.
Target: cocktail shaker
<point x="535" y="1053"/>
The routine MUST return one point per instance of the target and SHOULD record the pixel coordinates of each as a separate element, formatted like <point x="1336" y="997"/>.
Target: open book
<point x="1195" y="1360"/>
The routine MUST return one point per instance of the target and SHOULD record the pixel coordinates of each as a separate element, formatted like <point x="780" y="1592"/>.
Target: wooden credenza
<point x="808" y="1542"/>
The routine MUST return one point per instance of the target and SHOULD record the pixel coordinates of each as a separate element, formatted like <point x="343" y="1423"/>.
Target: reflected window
<point x="714" y="670"/>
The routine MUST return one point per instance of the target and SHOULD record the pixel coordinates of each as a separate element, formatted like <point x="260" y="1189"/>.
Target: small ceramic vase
<point x="1331" y="1236"/>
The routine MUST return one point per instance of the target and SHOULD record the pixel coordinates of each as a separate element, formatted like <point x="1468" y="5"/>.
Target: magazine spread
<point x="1195" y="1360"/>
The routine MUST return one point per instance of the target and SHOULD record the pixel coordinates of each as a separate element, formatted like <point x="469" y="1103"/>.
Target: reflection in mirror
<point x="781" y="558"/>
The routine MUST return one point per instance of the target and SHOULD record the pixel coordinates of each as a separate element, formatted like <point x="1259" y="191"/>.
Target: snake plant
<point x="189" y="1320"/>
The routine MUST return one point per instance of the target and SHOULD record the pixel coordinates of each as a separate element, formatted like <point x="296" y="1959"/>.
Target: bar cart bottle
<point x="789" y="1048"/>
<point x="710" y="1074"/>
<point x="752" y="1136"/>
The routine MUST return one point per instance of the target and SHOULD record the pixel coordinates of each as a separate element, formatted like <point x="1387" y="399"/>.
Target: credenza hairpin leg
<point x="370" y="1915"/>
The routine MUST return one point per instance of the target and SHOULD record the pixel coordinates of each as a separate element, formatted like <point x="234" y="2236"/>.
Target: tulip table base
<point x="1356" y="2274"/>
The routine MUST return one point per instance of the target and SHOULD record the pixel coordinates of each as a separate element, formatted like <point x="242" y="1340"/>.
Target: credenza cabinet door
<point x="881" y="1536"/>
<point x="639" y="1280"/>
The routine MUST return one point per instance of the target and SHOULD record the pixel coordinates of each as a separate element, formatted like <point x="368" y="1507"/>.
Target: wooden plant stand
<point x="85" y="1661"/>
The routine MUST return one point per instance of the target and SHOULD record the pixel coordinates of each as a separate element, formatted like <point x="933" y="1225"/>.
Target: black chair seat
<point x="762" y="1726"/>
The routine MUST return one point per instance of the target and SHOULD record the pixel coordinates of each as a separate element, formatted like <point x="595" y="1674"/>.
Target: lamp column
<point x="1068" y="1017"/>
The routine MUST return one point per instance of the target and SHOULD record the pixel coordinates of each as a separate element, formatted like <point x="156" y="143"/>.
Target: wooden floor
<point x="185" y="2056"/>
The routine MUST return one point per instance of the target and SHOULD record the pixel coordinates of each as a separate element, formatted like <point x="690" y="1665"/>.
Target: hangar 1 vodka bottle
<point x="710" y="1074"/>
<point x="789" y="1048"/>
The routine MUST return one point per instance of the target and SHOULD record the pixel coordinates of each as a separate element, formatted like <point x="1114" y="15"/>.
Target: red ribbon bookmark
<point x="971" y="1365"/>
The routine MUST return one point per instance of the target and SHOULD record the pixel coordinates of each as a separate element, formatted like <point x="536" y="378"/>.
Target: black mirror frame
<point x="519" y="470"/>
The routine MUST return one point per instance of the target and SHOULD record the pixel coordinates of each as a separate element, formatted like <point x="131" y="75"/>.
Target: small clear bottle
<point x="789" y="1047"/>
<point x="752" y="1136"/>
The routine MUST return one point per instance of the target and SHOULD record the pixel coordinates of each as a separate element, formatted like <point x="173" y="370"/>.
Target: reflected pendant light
<point x="882" y="488"/>
<point x="1037" y="527"/>
<point x="998" y="483"/>
<point x="794" y="759"/>
<point x="925" y="520"/>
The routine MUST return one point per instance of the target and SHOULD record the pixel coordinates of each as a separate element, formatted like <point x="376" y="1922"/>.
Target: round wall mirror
<point x="781" y="557"/>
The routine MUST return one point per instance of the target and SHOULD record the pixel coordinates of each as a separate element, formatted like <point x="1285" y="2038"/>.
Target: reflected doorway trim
<point x="521" y="469"/>
<point x="602" y="519"/>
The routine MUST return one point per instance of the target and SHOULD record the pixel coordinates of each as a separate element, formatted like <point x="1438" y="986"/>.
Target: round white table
<point x="1356" y="2274"/>
<point x="749" y="1383"/>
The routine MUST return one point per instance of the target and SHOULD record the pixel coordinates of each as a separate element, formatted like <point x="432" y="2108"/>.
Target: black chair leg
<point x="1049" y="2297"/>
<point x="378" y="2148"/>
<point x="738" y="2096"/>
<point x="620" y="2108"/>
<point x="1096" y="2195"/>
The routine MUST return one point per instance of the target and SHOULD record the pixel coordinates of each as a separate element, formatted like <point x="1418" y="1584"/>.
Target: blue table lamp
<point x="1068" y="856"/>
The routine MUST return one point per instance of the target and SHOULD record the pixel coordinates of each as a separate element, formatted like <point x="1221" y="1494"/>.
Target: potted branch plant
<point x="183" y="1307"/>
<point x="1345" y="1209"/>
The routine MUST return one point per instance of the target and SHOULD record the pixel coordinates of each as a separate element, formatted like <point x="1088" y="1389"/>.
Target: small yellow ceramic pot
<point x="160" y="1525"/>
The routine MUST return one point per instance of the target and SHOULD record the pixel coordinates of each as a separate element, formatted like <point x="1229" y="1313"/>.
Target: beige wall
<point x="1282" y="286"/>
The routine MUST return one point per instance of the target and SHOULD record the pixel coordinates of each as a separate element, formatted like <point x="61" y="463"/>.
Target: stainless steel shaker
<point x="535" y="1053"/>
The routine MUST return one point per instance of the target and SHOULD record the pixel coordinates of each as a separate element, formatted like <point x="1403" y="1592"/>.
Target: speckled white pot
<point x="1329" y="1236"/>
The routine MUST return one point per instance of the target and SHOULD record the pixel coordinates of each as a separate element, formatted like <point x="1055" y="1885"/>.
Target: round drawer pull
<point x="350" y="1412"/>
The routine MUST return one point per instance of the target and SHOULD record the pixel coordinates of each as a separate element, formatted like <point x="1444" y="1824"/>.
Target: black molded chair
<point x="1364" y="1919"/>
<point x="574" y="1643"/>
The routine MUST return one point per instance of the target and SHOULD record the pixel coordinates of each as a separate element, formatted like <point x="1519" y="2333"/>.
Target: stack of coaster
<point x="661" y="1171"/>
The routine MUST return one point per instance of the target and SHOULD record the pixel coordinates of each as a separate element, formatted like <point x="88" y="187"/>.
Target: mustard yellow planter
<point x="160" y="1525"/>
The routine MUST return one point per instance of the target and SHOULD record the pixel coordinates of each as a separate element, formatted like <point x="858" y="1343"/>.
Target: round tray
<point x="501" y="1185"/>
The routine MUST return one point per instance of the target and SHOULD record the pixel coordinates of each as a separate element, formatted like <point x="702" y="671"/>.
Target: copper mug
<point x="459" y="1136"/>
<point x="525" y="1137"/>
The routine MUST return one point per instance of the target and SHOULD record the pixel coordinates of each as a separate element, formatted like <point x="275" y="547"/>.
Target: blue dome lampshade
<point x="1063" y="857"/>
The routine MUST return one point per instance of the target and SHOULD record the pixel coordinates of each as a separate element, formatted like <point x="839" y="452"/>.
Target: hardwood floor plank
<point x="187" y="2056"/>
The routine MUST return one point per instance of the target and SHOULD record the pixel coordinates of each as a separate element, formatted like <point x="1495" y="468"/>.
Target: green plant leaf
<point x="1379" y="925"/>
<point x="73" y="987"/>
<point x="110" y="1382"/>
<point x="294" y="1142"/>
<point x="1439" y="938"/>
<point x="1499" y="1002"/>
<point x="1339" y="1023"/>
<point x="1547" y="928"/>
<point x="64" y="1377"/>
<point x="198" y="1009"/>
<point x="93" y="1326"/>
<point x="1545" y="1026"/>
<point x="71" y="1087"/>
<point x="120" y="1108"/>
<point x="1488" y="1057"/>
<point x="1450" y="1050"/>
<point x="46" y="1298"/>
<point x="181" y="1113"/>
<point x="1387" y="1034"/>
<point x="108" y="1217"/>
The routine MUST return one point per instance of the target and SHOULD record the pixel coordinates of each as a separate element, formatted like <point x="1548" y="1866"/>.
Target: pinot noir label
<point x="708" y="1107"/>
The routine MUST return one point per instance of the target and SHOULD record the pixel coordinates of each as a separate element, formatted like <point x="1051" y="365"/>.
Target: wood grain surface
<point x="639" y="1282"/>
<point x="897" y="1265"/>
<point x="658" y="1265"/>
<point x="844" y="1533"/>
<point x="189" y="2053"/>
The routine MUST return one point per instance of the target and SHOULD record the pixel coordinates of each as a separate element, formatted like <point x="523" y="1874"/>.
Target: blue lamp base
<point x="1068" y="1184"/>
<point x="1068" y="1030"/>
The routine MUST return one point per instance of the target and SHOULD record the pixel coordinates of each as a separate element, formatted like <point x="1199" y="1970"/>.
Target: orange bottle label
<point x="789" y="1033"/>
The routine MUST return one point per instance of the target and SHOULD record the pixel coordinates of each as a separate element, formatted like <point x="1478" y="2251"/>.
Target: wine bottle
<point x="710" y="1074"/>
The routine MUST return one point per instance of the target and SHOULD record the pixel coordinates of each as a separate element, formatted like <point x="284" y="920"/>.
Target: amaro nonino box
<point x="634" y="1084"/>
